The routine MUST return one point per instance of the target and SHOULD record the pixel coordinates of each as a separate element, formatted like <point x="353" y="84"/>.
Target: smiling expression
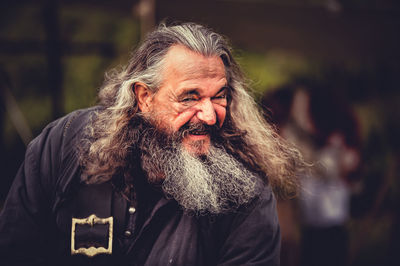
<point x="194" y="91"/>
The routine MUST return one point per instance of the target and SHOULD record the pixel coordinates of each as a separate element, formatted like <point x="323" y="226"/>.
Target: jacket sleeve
<point x="27" y="224"/>
<point x="254" y="235"/>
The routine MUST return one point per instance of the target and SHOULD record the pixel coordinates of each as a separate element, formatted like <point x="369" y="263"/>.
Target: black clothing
<point x="35" y="223"/>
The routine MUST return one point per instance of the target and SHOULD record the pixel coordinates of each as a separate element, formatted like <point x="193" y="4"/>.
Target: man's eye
<point x="190" y="99"/>
<point x="222" y="96"/>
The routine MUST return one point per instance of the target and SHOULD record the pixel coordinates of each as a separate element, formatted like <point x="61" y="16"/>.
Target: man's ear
<point x="143" y="96"/>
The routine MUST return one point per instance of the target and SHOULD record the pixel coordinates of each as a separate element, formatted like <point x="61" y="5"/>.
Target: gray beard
<point x="214" y="183"/>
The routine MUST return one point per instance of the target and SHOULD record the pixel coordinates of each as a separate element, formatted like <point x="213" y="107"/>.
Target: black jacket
<point x="35" y="223"/>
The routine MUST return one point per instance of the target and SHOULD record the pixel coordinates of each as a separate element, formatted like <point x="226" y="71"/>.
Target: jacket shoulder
<point x="66" y="127"/>
<point x="54" y="154"/>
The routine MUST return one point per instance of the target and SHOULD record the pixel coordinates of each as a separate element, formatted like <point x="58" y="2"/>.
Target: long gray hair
<point x="111" y="134"/>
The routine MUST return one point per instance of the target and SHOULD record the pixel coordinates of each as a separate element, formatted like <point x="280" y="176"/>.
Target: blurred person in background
<point x="324" y="128"/>
<point x="175" y="166"/>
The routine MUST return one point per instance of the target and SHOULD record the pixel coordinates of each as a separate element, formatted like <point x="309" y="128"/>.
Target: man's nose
<point x="206" y="112"/>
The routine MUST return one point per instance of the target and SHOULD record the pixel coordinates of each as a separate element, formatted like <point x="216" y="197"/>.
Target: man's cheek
<point x="183" y="118"/>
<point x="221" y="114"/>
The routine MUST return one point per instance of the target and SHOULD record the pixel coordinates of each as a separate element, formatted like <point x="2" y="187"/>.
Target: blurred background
<point x="326" y="72"/>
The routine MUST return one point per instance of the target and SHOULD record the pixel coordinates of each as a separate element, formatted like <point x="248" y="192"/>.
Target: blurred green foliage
<point x="271" y="69"/>
<point x="82" y="74"/>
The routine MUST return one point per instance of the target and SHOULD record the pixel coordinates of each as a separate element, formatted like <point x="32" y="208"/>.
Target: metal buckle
<point x="92" y="220"/>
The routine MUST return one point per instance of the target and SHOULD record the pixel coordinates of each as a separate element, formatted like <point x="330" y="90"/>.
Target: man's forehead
<point x="181" y="61"/>
<point x="210" y="69"/>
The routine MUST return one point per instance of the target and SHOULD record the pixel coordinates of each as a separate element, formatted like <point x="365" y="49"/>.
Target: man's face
<point x="193" y="93"/>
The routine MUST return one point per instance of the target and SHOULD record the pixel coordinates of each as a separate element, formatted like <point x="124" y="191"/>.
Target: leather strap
<point x="94" y="199"/>
<point x="102" y="201"/>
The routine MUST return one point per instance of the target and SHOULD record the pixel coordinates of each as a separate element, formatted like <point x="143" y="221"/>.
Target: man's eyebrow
<point x="223" y="89"/>
<point x="187" y="92"/>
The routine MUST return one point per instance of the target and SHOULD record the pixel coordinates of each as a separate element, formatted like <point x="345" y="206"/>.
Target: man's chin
<point x="197" y="147"/>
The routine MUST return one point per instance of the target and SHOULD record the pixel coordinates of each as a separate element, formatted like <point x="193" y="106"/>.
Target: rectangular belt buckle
<point x="91" y="221"/>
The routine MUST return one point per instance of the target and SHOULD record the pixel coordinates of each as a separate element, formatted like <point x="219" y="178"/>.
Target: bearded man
<point x="175" y="166"/>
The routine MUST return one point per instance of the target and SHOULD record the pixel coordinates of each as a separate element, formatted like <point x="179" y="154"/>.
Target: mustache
<point x="199" y="129"/>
